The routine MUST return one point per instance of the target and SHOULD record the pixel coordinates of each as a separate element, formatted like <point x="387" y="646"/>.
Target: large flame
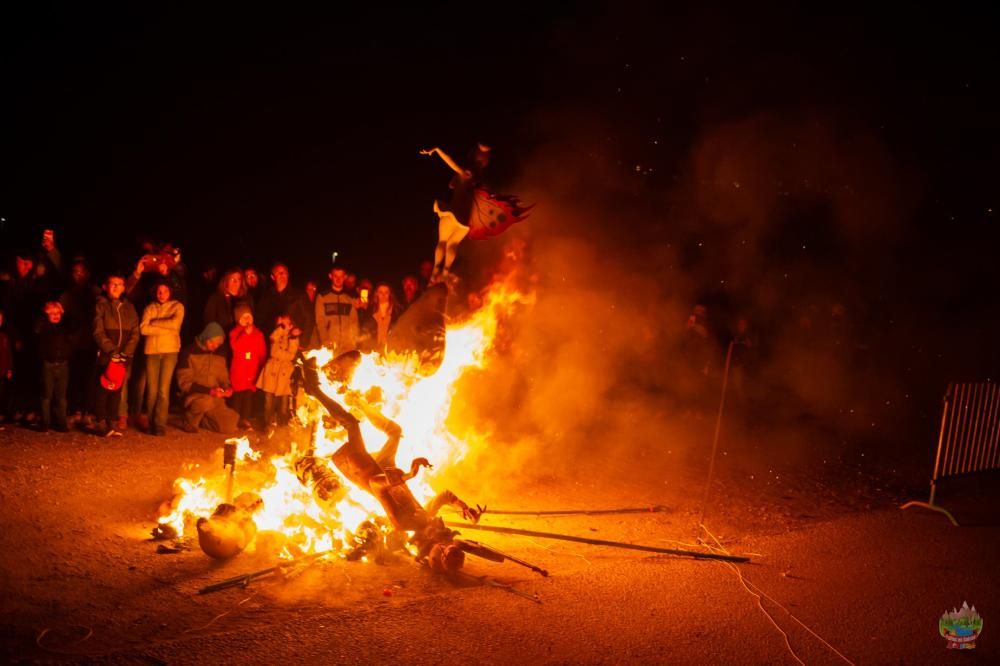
<point x="292" y="518"/>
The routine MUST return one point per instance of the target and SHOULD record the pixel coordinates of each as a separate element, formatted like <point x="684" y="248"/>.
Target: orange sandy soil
<point x="77" y="562"/>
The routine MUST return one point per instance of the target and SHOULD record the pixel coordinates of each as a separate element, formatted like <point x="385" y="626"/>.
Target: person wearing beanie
<point x="211" y="330"/>
<point x="248" y="348"/>
<point x="203" y="379"/>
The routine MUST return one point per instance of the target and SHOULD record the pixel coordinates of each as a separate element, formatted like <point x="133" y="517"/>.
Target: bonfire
<point x="327" y="493"/>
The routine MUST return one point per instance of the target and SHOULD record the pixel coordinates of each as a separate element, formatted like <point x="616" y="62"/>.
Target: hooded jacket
<point x="249" y="351"/>
<point x="200" y="370"/>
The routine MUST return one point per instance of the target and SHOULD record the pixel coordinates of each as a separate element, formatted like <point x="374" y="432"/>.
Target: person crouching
<point x="203" y="380"/>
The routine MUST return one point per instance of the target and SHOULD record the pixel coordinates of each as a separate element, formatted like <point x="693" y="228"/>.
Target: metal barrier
<point x="969" y="440"/>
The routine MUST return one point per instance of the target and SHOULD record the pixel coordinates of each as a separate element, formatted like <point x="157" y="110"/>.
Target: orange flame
<point x="419" y="404"/>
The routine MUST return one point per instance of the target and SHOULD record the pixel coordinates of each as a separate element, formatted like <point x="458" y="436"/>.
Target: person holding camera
<point x="116" y="332"/>
<point x="276" y="379"/>
<point x="281" y="298"/>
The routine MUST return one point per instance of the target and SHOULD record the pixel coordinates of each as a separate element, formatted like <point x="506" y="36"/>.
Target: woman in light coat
<point x="161" y="325"/>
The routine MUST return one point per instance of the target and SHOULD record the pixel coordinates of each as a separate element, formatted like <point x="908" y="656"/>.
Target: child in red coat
<point x="247" y="343"/>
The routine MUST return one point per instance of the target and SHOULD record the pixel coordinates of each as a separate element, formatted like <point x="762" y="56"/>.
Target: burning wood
<point x="434" y="543"/>
<point x="311" y="494"/>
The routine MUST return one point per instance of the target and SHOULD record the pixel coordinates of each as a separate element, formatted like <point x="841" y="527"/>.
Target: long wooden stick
<point x="715" y="439"/>
<point x="600" y="542"/>
<point x="656" y="508"/>
<point x="245" y="579"/>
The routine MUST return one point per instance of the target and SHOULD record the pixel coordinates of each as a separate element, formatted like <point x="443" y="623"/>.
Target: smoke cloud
<point x="782" y="219"/>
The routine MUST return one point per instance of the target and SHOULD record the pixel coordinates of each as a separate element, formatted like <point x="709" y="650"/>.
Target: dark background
<point x="246" y="135"/>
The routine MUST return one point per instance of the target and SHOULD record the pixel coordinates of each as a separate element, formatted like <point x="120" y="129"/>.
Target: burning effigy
<point x="328" y="493"/>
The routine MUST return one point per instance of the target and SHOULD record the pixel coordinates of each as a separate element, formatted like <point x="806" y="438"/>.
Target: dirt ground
<point x="82" y="580"/>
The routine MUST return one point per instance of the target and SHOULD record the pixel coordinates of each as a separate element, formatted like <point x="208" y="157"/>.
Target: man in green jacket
<point x="203" y="379"/>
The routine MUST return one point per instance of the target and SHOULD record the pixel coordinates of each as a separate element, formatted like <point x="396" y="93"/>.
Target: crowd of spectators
<point x="106" y="358"/>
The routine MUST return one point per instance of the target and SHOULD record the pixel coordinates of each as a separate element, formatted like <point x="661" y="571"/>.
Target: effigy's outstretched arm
<point x="452" y="164"/>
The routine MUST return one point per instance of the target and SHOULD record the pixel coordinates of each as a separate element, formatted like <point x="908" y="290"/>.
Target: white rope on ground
<point x="761" y="594"/>
<point x="89" y="632"/>
<point x="221" y="615"/>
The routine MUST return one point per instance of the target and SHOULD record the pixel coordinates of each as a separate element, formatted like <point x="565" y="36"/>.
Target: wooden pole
<point x="715" y="439"/>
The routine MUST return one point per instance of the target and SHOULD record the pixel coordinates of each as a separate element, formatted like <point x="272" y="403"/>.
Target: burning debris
<point x="231" y="528"/>
<point x="434" y="544"/>
<point x="301" y="506"/>
<point x="301" y="503"/>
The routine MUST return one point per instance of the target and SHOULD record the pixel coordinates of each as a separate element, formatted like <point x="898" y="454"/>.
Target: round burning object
<point x="231" y="528"/>
<point x="446" y="557"/>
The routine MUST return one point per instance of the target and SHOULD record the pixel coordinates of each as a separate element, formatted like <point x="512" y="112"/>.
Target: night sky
<point x="246" y="135"/>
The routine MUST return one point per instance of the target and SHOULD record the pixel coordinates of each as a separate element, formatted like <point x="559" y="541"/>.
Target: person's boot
<point x="142" y="423"/>
<point x="122" y="424"/>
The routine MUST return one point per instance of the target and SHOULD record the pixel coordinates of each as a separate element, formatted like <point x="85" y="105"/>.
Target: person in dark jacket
<point x="411" y="290"/>
<point x="78" y="304"/>
<point x="281" y="298"/>
<point x="116" y="332"/>
<point x="223" y="301"/>
<point x="23" y="298"/>
<point x="310" y="336"/>
<point x="6" y="371"/>
<point x="254" y="285"/>
<point x="55" y="343"/>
